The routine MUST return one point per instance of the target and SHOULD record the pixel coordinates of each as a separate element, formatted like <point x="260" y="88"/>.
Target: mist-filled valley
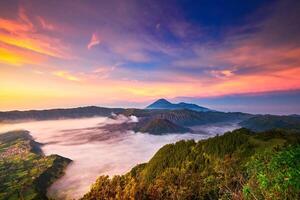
<point x="96" y="151"/>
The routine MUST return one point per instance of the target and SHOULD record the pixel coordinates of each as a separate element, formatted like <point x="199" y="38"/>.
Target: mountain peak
<point x="162" y="101"/>
<point x="164" y="104"/>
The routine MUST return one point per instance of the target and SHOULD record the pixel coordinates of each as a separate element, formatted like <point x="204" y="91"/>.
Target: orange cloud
<point x="38" y="43"/>
<point x="10" y="58"/>
<point x="15" y="56"/>
<point x="13" y="26"/>
<point x="23" y="34"/>
<point x="66" y="75"/>
<point x="280" y="80"/>
<point x="55" y="93"/>
<point x="254" y="54"/>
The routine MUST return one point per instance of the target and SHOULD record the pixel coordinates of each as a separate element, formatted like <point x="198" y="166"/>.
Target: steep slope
<point x="25" y="173"/>
<point x="164" y="104"/>
<point x="161" y="104"/>
<point x="237" y="165"/>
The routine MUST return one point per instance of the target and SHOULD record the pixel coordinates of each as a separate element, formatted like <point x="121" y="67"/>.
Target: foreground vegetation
<point x="24" y="172"/>
<point x="237" y="165"/>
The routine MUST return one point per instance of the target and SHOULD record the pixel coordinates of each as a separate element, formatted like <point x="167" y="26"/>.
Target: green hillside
<point x="25" y="173"/>
<point x="237" y="165"/>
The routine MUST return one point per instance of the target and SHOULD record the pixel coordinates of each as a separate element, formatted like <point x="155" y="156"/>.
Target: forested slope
<point x="237" y="165"/>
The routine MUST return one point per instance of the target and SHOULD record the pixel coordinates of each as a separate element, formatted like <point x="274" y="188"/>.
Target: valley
<point x="96" y="150"/>
<point x="113" y="144"/>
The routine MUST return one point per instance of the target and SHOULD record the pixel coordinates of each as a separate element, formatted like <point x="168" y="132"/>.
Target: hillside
<point x="164" y="104"/>
<point x="237" y="165"/>
<point x="267" y="122"/>
<point x="162" y="126"/>
<point x="25" y="173"/>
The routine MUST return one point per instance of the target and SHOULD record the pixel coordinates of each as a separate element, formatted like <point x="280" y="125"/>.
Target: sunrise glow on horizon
<point x="116" y="53"/>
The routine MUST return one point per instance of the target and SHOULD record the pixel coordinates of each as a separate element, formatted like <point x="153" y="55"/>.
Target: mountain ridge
<point x="165" y="104"/>
<point x="58" y="113"/>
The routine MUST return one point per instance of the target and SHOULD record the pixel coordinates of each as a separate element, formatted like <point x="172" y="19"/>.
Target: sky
<point x="227" y="54"/>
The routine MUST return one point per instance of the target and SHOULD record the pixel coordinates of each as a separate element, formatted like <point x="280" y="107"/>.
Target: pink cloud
<point x="45" y="24"/>
<point x="95" y="40"/>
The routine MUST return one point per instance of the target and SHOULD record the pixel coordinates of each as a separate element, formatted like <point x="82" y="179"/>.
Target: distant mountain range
<point x="164" y="104"/>
<point x="161" y="117"/>
<point x="80" y="112"/>
<point x="161" y="121"/>
<point x="267" y="122"/>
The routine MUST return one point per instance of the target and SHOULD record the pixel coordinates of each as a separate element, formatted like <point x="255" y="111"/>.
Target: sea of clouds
<point x="95" y="151"/>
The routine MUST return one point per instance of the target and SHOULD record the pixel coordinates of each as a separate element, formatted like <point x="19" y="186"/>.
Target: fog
<point x="95" y="151"/>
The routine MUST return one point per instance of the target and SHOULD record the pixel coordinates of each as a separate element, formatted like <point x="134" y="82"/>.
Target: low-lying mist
<point x="95" y="151"/>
